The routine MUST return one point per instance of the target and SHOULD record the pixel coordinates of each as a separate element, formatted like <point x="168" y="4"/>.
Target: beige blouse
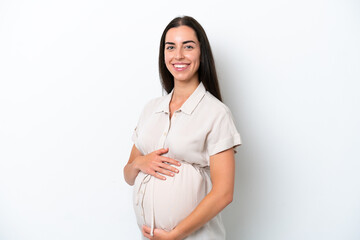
<point x="202" y="127"/>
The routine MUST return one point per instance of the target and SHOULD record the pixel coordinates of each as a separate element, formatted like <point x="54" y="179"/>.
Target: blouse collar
<point x="188" y="106"/>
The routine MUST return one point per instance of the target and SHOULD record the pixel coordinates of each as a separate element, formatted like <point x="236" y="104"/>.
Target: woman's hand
<point x="153" y="164"/>
<point x="159" y="234"/>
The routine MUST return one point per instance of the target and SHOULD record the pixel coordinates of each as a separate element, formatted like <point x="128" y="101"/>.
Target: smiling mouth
<point x="180" y="67"/>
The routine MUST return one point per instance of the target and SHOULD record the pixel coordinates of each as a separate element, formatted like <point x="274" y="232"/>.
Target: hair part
<point x="207" y="71"/>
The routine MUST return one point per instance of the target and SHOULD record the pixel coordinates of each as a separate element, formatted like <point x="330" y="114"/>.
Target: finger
<point x="147" y="235"/>
<point x="165" y="172"/>
<point x="146" y="229"/>
<point x="162" y="151"/>
<point x="170" y="160"/>
<point x="169" y="168"/>
<point x="146" y="232"/>
<point x="155" y="174"/>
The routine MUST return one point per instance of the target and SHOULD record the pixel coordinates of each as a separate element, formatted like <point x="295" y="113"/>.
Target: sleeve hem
<point x="223" y="145"/>
<point x="134" y="138"/>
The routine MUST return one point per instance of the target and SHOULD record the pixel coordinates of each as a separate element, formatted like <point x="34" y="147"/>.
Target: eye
<point x="189" y="47"/>
<point x="169" y="47"/>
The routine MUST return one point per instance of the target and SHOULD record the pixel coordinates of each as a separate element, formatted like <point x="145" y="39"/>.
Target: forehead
<point x="180" y="34"/>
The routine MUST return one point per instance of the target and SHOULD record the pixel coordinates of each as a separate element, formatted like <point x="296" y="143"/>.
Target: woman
<point x="182" y="162"/>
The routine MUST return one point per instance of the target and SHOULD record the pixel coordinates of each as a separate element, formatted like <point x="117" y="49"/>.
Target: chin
<point x="183" y="78"/>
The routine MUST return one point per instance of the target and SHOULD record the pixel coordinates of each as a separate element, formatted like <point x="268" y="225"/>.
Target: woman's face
<point x="182" y="53"/>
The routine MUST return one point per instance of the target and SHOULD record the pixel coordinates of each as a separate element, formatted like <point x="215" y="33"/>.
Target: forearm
<point x="130" y="173"/>
<point x="209" y="207"/>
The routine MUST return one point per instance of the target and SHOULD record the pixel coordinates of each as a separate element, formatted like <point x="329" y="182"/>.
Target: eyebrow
<point x="185" y="42"/>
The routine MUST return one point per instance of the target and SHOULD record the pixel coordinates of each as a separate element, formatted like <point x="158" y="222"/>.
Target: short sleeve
<point x="134" y="137"/>
<point x="135" y="134"/>
<point x="223" y="134"/>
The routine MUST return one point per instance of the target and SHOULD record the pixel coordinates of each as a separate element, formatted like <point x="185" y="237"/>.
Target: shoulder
<point x="215" y="106"/>
<point x="152" y="104"/>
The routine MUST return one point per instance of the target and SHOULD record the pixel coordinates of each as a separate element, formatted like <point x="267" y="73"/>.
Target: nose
<point x="179" y="54"/>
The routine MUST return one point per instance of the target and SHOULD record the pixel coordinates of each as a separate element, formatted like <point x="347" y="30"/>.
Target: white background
<point x="75" y="74"/>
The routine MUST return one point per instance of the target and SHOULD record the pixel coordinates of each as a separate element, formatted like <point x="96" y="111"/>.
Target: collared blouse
<point x="201" y="127"/>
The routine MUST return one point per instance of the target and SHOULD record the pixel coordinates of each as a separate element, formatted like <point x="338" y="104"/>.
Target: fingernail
<point x="172" y="174"/>
<point x="176" y="170"/>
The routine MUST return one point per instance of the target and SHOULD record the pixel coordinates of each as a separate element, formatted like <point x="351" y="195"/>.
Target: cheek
<point x="167" y="61"/>
<point x="198" y="57"/>
<point x="195" y="58"/>
<point x="168" y="57"/>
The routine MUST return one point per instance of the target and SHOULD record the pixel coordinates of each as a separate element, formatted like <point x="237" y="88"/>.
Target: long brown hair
<point x="207" y="72"/>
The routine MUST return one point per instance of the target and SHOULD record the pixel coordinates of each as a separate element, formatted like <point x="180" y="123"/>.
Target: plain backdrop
<point x="75" y="74"/>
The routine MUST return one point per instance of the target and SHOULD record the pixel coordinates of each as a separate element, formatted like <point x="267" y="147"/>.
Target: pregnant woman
<point x="182" y="162"/>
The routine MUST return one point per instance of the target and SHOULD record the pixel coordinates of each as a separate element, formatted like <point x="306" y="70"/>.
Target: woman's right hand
<point x="153" y="164"/>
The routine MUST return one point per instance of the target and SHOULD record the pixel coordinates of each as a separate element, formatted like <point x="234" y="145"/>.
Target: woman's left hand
<point x="159" y="234"/>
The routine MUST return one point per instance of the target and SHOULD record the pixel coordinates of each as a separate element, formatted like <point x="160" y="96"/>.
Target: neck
<point x="183" y="90"/>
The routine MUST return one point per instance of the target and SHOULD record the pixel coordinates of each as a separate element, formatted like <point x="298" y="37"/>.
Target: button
<point x="165" y="133"/>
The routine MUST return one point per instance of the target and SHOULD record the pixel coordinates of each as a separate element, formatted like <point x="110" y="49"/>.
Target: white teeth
<point x="180" y="66"/>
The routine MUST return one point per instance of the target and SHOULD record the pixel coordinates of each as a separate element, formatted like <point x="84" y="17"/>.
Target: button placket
<point x="167" y="129"/>
<point x="165" y="132"/>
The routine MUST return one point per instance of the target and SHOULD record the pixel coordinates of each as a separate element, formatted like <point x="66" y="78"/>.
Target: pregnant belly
<point x="167" y="202"/>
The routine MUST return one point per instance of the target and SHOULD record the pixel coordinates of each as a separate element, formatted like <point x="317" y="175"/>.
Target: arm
<point x="151" y="163"/>
<point x="222" y="171"/>
<point x="130" y="169"/>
